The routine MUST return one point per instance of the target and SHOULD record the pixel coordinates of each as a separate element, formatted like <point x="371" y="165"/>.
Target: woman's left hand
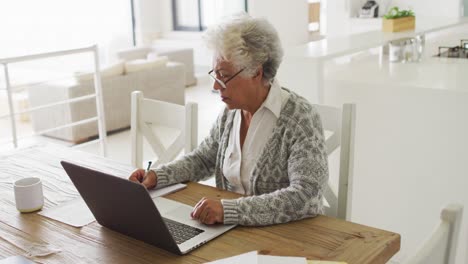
<point x="208" y="211"/>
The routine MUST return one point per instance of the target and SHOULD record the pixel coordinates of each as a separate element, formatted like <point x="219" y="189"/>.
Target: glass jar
<point x="408" y="50"/>
<point x="420" y="41"/>
<point x="395" y="51"/>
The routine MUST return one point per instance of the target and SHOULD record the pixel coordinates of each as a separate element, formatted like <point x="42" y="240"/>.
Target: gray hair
<point x="247" y="42"/>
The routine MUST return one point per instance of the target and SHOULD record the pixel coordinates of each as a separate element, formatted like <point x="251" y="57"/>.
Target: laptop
<point x="127" y="207"/>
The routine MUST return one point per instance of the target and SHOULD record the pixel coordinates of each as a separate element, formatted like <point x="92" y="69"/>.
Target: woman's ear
<point x="259" y="73"/>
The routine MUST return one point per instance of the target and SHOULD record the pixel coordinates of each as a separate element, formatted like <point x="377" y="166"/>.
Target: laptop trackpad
<point x="179" y="213"/>
<point x="173" y="209"/>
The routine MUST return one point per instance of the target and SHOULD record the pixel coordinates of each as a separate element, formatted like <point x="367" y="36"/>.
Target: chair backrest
<point x="99" y="118"/>
<point x="340" y="122"/>
<point x="441" y="246"/>
<point x="148" y="114"/>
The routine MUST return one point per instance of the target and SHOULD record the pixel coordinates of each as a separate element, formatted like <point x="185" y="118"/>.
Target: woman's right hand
<point x="150" y="180"/>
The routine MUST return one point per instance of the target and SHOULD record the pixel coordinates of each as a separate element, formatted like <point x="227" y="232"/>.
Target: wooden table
<point x="315" y="238"/>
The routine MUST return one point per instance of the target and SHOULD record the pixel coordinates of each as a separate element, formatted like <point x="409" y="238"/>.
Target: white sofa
<point x="166" y="83"/>
<point x="182" y="55"/>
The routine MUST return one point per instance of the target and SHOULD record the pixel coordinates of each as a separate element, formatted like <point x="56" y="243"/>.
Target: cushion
<point x="140" y="65"/>
<point x="106" y="71"/>
<point x="133" y="53"/>
<point x="152" y="56"/>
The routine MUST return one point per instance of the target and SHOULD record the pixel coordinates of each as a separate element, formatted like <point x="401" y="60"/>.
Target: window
<point x="36" y="26"/>
<point x="197" y="15"/>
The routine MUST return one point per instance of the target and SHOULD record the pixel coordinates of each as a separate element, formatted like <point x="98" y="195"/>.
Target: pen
<point x="147" y="170"/>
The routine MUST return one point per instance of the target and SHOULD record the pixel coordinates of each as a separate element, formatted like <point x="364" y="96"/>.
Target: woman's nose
<point x="217" y="86"/>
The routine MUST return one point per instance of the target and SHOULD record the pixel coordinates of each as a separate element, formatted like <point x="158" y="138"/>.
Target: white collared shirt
<point x="238" y="164"/>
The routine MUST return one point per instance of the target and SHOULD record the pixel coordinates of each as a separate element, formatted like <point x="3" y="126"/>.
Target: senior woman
<point x="268" y="142"/>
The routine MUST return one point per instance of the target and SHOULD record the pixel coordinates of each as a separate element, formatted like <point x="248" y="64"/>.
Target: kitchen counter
<point x="339" y="46"/>
<point x="432" y="73"/>
<point x="410" y="141"/>
<point x="302" y="69"/>
<point x="410" y="138"/>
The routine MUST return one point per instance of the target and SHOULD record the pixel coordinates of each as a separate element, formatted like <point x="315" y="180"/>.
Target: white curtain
<point x="214" y="10"/>
<point x="211" y="11"/>
<point x="31" y="26"/>
<point x="187" y="13"/>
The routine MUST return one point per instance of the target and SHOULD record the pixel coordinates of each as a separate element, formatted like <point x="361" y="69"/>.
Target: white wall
<point x="339" y="12"/>
<point x="337" y="18"/>
<point x="446" y="8"/>
<point x="466" y="7"/>
<point x="149" y="20"/>
<point x="154" y="20"/>
<point x="290" y="18"/>
<point x="411" y="158"/>
<point x="384" y="6"/>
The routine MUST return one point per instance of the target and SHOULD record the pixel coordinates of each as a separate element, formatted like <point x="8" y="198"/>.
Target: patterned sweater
<point x="288" y="179"/>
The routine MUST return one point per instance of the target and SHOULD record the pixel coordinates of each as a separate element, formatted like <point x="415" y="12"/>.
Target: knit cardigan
<point x="288" y="179"/>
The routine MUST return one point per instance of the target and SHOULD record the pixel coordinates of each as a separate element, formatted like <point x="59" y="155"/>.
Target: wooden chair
<point x="441" y="246"/>
<point x="149" y="114"/>
<point x="341" y="123"/>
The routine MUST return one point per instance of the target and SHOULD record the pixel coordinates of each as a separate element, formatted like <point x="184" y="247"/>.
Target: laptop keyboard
<point x="181" y="232"/>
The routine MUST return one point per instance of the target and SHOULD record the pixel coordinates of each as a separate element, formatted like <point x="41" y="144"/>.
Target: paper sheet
<point x="253" y="258"/>
<point x="264" y="259"/>
<point x="324" y="262"/>
<point x="246" y="258"/>
<point x="166" y="190"/>
<point x="16" y="260"/>
<point x="76" y="213"/>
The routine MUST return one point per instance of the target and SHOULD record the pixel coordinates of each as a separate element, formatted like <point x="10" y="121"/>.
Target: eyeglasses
<point x="220" y="82"/>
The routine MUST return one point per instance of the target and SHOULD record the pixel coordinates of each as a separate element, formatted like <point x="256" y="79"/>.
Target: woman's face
<point x="239" y="90"/>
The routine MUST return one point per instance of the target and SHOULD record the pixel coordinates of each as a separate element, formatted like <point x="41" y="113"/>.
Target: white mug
<point x="28" y="195"/>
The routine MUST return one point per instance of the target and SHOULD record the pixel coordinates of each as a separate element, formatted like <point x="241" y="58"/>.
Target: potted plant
<point x="398" y="20"/>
